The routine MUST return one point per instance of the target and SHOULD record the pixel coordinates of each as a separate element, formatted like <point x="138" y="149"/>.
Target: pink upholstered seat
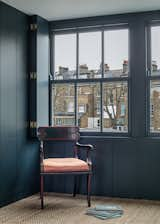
<point x="64" y="165"/>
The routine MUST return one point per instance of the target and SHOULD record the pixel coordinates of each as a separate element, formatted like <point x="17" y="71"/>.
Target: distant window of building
<point x="123" y="108"/>
<point x="81" y="109"/>
<point x="90" y="83"/>
<point x="98" y="109"/>
<point x="70" y="107"/>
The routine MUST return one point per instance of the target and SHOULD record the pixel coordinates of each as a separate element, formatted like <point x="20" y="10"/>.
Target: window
<point x="63" y="104"/>
<point x="155" y="105"/>
<point x="90" y="55"/>
<point x="115" y="106"/>
<point x="65" y="56"/>
<point x="116" y="53"/>
<point x="155" y="49"/>
<point x="154" y="80"/>
<point x="87" y="101"/>
<point x="90" y="86"/>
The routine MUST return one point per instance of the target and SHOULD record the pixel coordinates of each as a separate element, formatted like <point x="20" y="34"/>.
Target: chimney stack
<point x="154" y="66"/>
<point x="125" y="66"/>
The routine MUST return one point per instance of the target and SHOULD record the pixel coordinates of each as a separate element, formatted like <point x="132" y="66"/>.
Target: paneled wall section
<point x="18" y="155"/>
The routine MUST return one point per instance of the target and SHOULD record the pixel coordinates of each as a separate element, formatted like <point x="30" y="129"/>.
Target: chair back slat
<point x="58" y="133"/>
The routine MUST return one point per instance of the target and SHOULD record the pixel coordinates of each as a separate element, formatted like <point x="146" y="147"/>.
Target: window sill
<point x="107" y="137"/>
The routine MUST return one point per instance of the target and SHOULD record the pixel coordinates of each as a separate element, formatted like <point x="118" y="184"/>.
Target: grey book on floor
<point x="105" y="211"/>
<point x="108" y="207"/>
<point x="108" y="217"/>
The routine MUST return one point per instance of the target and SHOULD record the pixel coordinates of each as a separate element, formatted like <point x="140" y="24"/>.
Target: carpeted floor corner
<point x="64" y="209"/>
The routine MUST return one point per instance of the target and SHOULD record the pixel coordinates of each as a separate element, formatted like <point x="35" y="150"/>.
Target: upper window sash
<point x="73" y="63"/>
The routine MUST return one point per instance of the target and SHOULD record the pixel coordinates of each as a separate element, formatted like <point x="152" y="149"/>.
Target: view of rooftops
<point x="85" y="73"/>
<point x="88" y="50"/>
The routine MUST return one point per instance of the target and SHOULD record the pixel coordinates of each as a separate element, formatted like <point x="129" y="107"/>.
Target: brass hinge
<point x="33" y="124"/>
<point x="33" y="75"/>
<point x="33" y="26"/>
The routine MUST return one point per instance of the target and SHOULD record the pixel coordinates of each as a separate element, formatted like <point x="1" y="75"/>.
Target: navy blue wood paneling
<point x="18" y="155"/>
<point x="122" y="167"/>
<point x="7" y="107"/>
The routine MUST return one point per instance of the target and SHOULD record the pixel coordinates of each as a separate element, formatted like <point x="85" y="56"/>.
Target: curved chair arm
<point x="88" y="148"/>
<point x="41" y="154"/>
<point x="85" y="146"/>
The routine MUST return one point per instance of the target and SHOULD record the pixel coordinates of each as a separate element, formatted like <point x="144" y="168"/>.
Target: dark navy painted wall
<point x="18" y="155"/>
<point x="123" y="167"/>
<point x="126" y="167"/>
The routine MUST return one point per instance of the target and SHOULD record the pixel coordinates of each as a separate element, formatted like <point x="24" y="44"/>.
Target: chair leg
<point x="89" y="189"/>
<point x="75" y="186"/>
<point x="41" y="191"/>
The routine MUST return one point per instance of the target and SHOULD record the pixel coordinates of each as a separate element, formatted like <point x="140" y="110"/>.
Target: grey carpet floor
<point x="64" y="209"/>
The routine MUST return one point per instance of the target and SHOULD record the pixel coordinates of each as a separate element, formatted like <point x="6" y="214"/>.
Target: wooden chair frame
<point x="64" y="133"/>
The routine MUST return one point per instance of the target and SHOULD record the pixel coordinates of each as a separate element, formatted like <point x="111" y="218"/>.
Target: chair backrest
<point x="58" y="133"/>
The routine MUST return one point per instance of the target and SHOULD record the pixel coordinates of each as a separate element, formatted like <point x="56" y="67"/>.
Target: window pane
<point x="115" y="107"/>
<point x="155" y="50"/>
<point x="63" y="104"/>
<point x="89" y="106"/>
<point x="155" y="106"/>
<point x="116" y="53"/>
<point x="65" y="56"/>
<point x="89" y="55"/>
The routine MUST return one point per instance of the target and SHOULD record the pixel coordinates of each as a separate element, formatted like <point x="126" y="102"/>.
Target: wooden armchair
<point x="54" y="166"/>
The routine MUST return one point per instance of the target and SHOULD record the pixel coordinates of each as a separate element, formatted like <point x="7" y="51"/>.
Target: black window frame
<point x="101" y="80"/>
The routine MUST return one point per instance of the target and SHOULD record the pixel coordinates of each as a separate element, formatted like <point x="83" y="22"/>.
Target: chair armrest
<point x="41" y="152"/>
<point x="88" y="149"/>
<point x="85" y="146"/>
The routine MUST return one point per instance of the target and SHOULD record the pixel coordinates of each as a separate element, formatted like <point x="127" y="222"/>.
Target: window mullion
<point x="101" y="104"/>
<point x="148" y="106"/>
<point x="101" y="84"/>
<point x="102" y="54"/>
<point x="77" y="74"/>
<point x="149" y="56"/>
<point x="77" y="55"/>
<point x="76" y="100"/>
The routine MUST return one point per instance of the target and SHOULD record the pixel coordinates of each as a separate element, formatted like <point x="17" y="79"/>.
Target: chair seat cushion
<point x="56" y="165"/>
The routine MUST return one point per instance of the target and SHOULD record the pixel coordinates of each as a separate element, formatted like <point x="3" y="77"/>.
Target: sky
<point x="115" y="49"/>
<point x="155" y="44"/>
